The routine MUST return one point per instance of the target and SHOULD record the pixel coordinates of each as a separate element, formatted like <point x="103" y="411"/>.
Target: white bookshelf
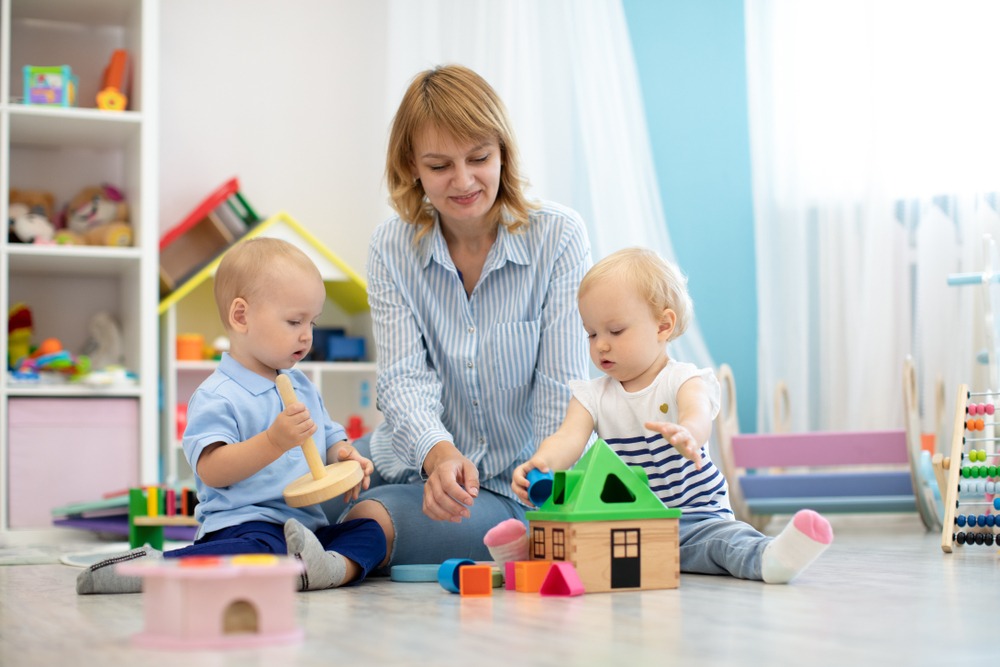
<point x="63" y="150"/>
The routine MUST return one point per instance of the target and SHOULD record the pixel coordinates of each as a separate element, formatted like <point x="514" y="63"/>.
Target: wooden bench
<point x="830" y="472"/>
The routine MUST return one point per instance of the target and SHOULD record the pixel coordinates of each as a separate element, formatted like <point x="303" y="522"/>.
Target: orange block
<point x="529" y="575"/>
<point x="475" y="580"/>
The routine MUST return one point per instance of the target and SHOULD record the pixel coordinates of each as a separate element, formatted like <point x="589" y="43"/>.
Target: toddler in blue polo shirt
<point x="244" y="445"/>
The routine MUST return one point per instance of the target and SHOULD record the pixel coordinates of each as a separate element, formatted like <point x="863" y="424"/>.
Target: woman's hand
<point x="452" y="484"/>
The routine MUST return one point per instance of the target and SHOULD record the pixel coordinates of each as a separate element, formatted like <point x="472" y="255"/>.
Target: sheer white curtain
<point x="875" y="151"/>
<point x="566" y="71"/>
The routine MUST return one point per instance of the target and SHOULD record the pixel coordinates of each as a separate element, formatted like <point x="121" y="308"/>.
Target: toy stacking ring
<point x="319" y="483"/>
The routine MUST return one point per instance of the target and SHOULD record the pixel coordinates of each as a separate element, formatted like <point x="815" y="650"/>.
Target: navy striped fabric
<point x="673" y="478"/>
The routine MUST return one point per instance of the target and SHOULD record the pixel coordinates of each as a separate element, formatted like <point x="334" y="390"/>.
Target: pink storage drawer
<point x="68" y="450"/>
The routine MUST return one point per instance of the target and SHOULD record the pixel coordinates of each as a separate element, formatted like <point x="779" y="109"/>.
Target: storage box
<point x="345" y="348"/>
<point x="68" y="450"/>
<point x="190" y="347"/>
<point x="50" y="86"/>
<point x="321" y="338"/>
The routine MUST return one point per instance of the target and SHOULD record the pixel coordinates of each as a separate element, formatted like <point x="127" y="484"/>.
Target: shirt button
<point x="472" y="329"/>
<point x="468" y="364"/>
<point x="482" y="441"/>
<point x="475" y="404"/>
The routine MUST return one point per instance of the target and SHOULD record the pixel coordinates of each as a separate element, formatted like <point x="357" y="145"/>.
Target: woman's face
<point x="461" y="180"/>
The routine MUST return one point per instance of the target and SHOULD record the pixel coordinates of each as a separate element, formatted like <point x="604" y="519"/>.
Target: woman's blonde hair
<point x="657" y="281"/>
<point x="250" y="266"/>
<point x="456" y="101"/>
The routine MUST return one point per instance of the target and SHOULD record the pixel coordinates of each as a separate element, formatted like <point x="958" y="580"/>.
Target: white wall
<point x="290" y="97"/>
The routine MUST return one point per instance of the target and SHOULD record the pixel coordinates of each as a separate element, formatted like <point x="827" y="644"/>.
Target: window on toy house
<point x="558" y="544"/>
<point x="538" y="543"/>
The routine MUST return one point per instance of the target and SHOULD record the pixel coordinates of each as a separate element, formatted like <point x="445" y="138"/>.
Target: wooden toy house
<point x="215" y="224"/>
<point x="603" y="518"/>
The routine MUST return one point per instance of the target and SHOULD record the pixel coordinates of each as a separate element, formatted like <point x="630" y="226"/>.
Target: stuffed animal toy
<point x="104" y="347"/>
<point x="30" y="217"/>
<point x="97" y="216"/>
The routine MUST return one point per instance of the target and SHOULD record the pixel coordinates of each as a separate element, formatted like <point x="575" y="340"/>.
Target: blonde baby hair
<point x="249" y="267"/>
<point x="657" y="281"/>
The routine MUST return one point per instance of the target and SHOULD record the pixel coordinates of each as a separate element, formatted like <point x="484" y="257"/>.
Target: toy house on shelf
<point x="344" y="373"/>
<point x="603" y="518"/>
<point x="215" y="224"/>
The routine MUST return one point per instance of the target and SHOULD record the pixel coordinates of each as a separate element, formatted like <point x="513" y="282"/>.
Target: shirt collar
<point x="253" y="383"/>
<point x="509" y="247"/>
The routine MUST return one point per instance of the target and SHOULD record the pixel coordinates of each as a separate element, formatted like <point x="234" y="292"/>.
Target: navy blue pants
<point x="360" y="540"/>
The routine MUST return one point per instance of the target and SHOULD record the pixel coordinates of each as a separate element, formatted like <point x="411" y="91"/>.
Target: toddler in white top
<point x="657" y="412"/>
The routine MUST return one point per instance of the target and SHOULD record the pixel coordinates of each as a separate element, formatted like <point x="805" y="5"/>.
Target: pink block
<point x="508" y="576"/>
<point x="562" y="580"/>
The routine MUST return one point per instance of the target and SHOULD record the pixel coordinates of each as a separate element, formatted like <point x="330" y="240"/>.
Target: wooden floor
<point x="883" y="594"/>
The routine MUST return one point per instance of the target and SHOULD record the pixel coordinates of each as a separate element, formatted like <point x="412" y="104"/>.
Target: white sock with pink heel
<point x="805" y="537"/>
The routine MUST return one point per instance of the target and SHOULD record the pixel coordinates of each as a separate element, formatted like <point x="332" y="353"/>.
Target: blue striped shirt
<point x="489" y="371"/>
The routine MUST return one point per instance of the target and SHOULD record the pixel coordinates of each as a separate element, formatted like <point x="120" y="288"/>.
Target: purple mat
<point x="119" y="526"/>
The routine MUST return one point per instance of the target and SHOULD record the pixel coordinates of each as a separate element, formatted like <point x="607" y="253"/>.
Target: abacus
<point x="973" y="478"/>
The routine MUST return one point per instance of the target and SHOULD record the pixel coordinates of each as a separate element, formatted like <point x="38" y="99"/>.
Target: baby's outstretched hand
<point x="680" y="438"/>
<point x="520" y="484"/>
<point x="350" y="453"/>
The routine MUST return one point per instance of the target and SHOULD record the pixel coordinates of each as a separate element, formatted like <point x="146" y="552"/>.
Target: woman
<point x="472" y="294"/>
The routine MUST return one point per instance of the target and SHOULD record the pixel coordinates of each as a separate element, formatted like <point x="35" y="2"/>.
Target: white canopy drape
<point x="566" y="71"/>
<point x="874" y="143"/>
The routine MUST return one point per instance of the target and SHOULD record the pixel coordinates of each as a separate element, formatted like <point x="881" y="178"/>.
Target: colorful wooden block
<point x="529" y="575"/>
<point x="475" y="580"/>
<point x="449" y="573"/>
<point x="562" y="580"/>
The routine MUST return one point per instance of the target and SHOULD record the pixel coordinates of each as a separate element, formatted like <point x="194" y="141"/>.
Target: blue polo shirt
<point x="232" y="405"/>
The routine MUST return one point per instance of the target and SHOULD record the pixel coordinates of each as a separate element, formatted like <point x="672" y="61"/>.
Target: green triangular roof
<point x="601" y="487"/>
